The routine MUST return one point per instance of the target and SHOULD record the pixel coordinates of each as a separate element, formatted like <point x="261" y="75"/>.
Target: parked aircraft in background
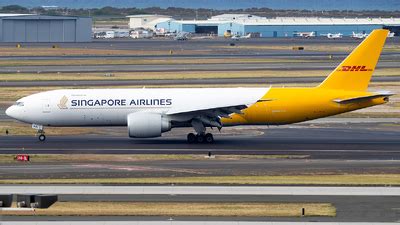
<point x="202" y="37"/>
<point x="182" y="36"/>
<point x="227" y="34"/>
<point x="151" y="112"/>
<point x="305" y="34"/>
<point x="333" y="36"/>
<point x="359" y="35"/>
<point x="238" y="37"/>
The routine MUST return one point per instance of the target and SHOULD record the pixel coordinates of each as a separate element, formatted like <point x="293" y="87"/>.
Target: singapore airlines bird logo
<point x="63" y="103"/>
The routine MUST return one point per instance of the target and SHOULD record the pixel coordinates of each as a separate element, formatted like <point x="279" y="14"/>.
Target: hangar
<point x="242" y="24"/>
<point x="192" y="26"/>
<point x="37" y="28"/>
<point x="146" y="21"/>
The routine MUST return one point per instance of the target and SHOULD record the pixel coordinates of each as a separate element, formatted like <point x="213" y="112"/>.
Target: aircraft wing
<point x="364" y="98"/>
<point x="210" y="117"/>
<point x="210" y="111"/>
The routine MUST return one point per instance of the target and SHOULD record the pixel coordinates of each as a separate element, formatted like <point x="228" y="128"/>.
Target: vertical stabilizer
<point x="355" y="72"/>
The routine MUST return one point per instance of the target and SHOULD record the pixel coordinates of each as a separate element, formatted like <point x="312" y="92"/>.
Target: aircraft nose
<point x="9" y="111"/>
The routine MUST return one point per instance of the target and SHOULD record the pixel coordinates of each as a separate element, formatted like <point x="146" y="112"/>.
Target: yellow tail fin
<point x="355" y="72"/>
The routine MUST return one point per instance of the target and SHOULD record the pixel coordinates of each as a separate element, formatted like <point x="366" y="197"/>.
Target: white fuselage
<point x="334" y="36"/>
<point x="110" y="107"/>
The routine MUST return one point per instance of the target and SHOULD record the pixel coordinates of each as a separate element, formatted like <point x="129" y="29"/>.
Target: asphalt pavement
<point x="348" y="209"/>
<point x="181" y="67"/>
<point x="342" y="142"/>
<point x="191" y="81"/>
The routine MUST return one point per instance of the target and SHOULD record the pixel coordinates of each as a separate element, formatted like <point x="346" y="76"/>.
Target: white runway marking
<point x="171" y="222"/>
<point x="194" y="149"/>
<point x="200" y="190"/>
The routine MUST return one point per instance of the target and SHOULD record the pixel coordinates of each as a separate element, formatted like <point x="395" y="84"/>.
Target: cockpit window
<point x="19" y="104"/>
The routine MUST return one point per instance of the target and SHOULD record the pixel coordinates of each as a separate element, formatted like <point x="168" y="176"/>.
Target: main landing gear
<point x="200" y="138"/>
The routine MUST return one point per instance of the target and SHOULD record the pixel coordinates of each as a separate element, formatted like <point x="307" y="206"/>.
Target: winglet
<point x="355" y="72"/>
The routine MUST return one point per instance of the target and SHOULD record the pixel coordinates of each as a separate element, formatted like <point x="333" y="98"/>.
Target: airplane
<point x="238" y="37"/>
<point x="305" y="34"/>
<point x="182" y="36"/>
<point x="203" y="37"/>
<point x="150" y="112"/>
<point x="333" y="36"/>
<point x="359" y="35"/>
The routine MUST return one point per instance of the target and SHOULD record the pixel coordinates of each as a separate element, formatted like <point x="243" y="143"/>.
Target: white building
<point x="242" y="24"/>
<point x="234" y="17"/>
<point x="146" y="21"/>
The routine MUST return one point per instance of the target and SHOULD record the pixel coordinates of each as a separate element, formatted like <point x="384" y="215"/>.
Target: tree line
<point x="187" y="13"/>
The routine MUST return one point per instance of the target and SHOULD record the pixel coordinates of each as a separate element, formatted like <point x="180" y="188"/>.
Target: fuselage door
<point x="46" y="106"/>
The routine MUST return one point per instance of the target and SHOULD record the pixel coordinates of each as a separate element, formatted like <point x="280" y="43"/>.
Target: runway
<point x="205" y="81"/>
<point x="276" y="54"/>
<point x="285" y="54"/>
<point x="161" y="221"/>
<point x="181" y="67"/>
<point x="166" y="44"/>
<point x="340" y="142"/>
<point x="349" y="208"/>
<point x="219" y="166"/>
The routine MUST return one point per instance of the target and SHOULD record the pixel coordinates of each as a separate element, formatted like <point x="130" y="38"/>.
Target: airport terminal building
<point x="36" y="28"/>
<point x="242" y="24"/>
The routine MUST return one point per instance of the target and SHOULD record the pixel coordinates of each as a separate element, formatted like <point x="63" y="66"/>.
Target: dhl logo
<point x="354" y="68"/>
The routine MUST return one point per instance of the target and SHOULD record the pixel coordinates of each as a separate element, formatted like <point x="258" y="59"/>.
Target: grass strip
<point x="144" y="61"/>
<point x="49" y="51"/>
<point x="181" y="209"/>
<point x="315" y="179"/>
<point x="327" y="47"/>
<point x="177" y="75"/>
<point x="19" y="128"/>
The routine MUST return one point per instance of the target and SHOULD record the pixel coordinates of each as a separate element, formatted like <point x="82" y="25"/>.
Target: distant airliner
<point x="151" y="112"/>
<point x="238" y="37"/>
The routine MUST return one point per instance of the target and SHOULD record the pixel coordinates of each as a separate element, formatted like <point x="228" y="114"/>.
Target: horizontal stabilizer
<point x="364" y="98"/>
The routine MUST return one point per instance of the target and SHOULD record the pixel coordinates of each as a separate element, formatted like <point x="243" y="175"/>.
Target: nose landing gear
<point x="42" y="137"/>
<point x="40" y="132"/>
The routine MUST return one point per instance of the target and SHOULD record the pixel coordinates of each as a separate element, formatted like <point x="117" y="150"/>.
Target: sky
<point x="219" y="4"/>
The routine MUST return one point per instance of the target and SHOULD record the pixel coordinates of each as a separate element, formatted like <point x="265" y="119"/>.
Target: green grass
<point x="345" y="179"/>
<point x="142" y="61"/>
<point x="177" y="75"/>
<point x="243" y="209"/>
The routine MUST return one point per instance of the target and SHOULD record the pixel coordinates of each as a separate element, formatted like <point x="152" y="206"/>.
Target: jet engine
<point x="147" y="124"/>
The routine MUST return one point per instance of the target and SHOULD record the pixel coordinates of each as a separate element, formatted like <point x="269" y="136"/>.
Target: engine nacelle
<point x="147" y="125"/>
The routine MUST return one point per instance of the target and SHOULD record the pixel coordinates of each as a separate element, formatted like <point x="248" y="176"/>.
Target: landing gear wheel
<point x="200" y="138"/>
<point x="191" y="138"/>
<point x="209" y="138"/>
<point x="42" y="137"/>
